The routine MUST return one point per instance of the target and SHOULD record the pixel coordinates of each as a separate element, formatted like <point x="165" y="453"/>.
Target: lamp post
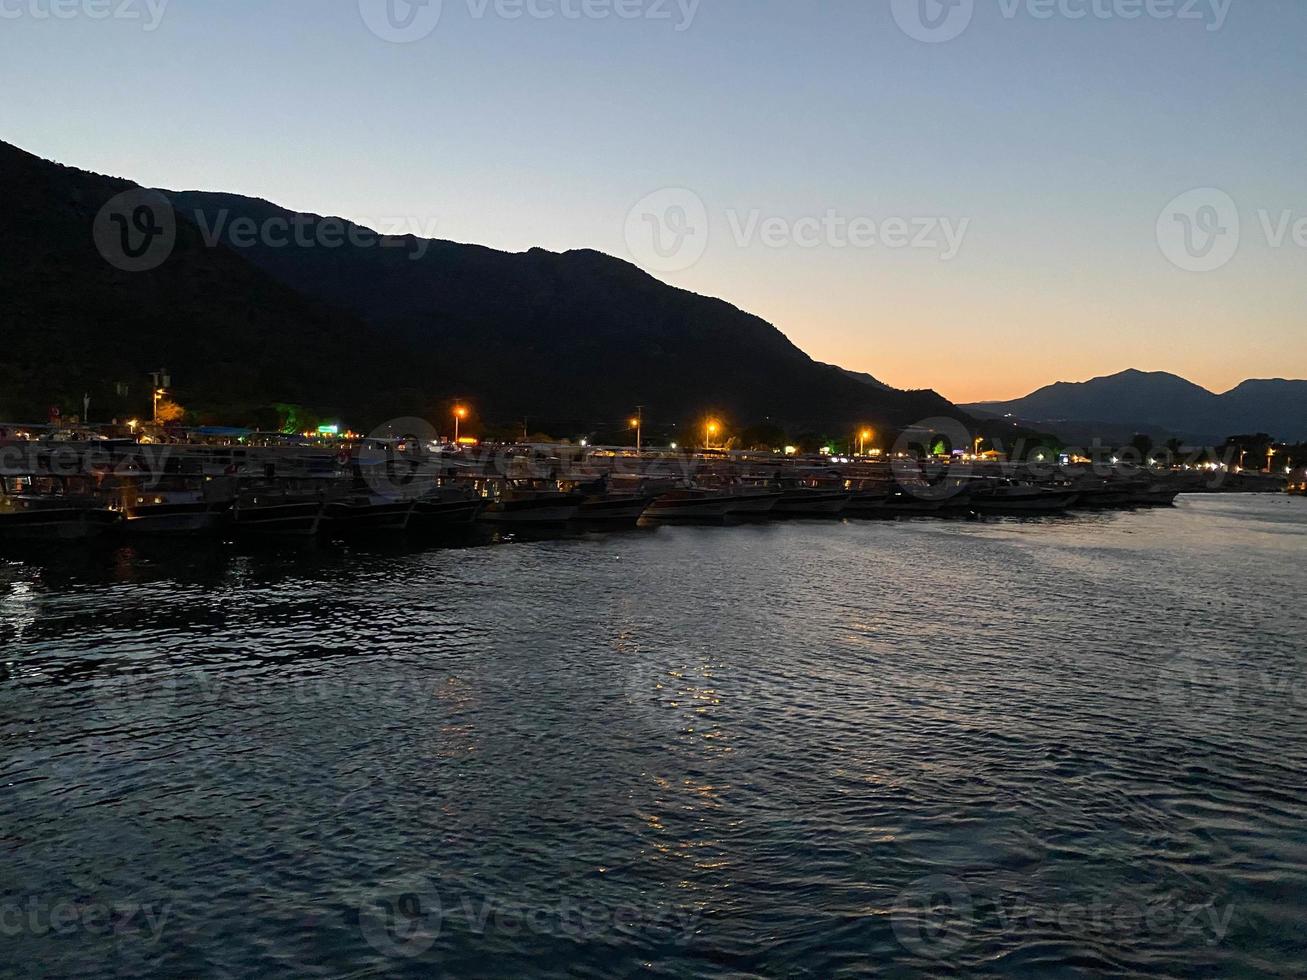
<point x="863" y="438"/>
<point x="460" y="413"/>
<point x="709" y="431"/>
<point x="637" y="423"/>
<point x="160" y="388"/>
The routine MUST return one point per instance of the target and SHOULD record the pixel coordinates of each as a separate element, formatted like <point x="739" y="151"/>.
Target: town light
<point x="460" y="413"/>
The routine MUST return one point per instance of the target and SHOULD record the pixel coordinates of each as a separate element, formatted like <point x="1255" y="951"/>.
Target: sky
<point x="977" y="196"/>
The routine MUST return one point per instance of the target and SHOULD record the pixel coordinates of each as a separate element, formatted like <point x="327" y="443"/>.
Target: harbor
<point x="356" y="486"/>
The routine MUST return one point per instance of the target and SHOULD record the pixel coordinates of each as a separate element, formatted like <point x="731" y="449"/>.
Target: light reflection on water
<point x="692" y="752"/>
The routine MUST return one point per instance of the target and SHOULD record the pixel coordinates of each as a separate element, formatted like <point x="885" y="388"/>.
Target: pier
<point x="74" y="490"/>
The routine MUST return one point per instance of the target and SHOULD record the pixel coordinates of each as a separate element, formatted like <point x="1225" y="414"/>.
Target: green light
<point x="328" y="430"/>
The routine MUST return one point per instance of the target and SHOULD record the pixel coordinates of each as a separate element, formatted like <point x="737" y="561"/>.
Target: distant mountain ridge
<point x="1150" y="400"/>
<point x="381" y="331"/>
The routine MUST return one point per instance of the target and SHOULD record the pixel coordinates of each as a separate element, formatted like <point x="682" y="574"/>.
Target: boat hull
<point x="814" y="504"/>
<point x="56" y="524"/>
<point x="614" y="510"/>
<point x="295" y="519"/>
<point x="1047" y="503"/>
<point x="197" y="518"/>
<point x="531" y="512"/>
<point x="444" y="515"/>
<point x="689" y="509"/>
<point x="752" y="507"/>
<point x="344" y="517"/>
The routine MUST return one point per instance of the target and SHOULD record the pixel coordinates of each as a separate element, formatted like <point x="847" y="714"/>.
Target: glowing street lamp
<point x="864" y="437"/>
<point x="637" y="423"/>
<point x="711" y="430"/>
<point x="460" y="413"/>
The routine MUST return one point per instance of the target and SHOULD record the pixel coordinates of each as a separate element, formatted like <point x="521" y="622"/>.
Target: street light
<point x="637" y="424"/>
<point x="460" y="413"/>
<point x="711" y="430"/>
<point x="863" y="438"/>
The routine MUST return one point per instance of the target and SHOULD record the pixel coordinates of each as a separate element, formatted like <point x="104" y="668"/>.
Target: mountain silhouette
<point x="341" y="320"/>
<point x="1154" y="400"/>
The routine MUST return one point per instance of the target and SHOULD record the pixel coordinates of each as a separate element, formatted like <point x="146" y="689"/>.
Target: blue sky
<point x="1055" y="141"/>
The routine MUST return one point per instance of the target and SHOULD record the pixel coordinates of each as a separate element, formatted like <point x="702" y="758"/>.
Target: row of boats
<point x="50" y="507"/>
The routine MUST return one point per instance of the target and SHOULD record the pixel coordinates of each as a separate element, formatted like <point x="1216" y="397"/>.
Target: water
<point x="1061" y="747"/>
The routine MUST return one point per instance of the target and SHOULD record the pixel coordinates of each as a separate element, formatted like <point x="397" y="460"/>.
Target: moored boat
<point x="532" y="505"/>
<point x="1021" y="498"/>
<point x="688" y="504"/>
<point x="1156" y="495"/>
<point x="366" y="512"/>
<point x="172" y="506"/>
<point x="52" y="508"/>
<point x="445" y="509"/>
<point x="811" y="502"/>
<point x="278" y="512"/>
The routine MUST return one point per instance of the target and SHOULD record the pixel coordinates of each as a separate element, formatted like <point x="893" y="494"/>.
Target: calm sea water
<point x="1061" y="747"/>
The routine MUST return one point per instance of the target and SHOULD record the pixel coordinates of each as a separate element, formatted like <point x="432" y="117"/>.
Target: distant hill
<point x="578" y="336"/>
<point x="233" y="336"/>
<point x="373" y="332"/>
<point x="1157" y="402"/>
